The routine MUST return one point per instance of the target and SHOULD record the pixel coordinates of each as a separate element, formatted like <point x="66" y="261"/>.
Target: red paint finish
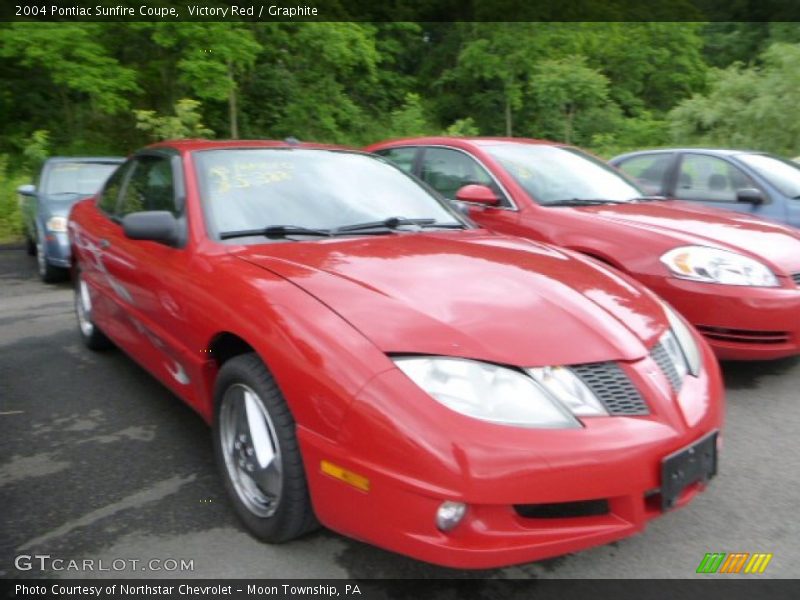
<point x="325" y="315"/>
<point x="632" y="237"/>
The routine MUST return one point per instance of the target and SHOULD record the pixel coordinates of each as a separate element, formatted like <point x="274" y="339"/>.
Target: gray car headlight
<point x="713" y="265"/>
<point x="680" y="344"/>
<point x="57" y="224"/>
<point x="547" y="397"/>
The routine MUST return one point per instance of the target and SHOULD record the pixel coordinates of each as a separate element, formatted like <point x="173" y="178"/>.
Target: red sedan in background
<point x="370" y="361"/>
<point x="734" y="277"/>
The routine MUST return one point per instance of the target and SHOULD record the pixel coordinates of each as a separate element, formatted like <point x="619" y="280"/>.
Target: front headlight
<point x="548" y="397"/>
<point x="680" y="344"/>
<point x="57" y="224"/>
<point x="712" y="265"/>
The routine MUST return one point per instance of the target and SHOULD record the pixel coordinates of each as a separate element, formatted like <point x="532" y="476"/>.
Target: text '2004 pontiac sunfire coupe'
<point x="371" y="361"/>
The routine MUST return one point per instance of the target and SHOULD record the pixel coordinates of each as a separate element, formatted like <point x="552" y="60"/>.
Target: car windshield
<point x="783" y="174"/>
<point x="556" y="175"/>
<point x="287" y="189"/>
<point x="77" y="177"/>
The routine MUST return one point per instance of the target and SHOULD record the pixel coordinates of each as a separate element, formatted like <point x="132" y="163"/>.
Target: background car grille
<point x="612" y="387"/>
<point x="796" y="277"/>
<point x="664" y="362"/>
<point x="744" y="336"/>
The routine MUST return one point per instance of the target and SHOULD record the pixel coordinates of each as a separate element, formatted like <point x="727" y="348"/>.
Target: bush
<point x="10" y="217"/>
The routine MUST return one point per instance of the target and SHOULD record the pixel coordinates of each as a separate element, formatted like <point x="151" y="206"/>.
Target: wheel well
<point x="227" y="345"/>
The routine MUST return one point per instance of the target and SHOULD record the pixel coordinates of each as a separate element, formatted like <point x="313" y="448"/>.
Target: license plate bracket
<point x="697" y="462"/>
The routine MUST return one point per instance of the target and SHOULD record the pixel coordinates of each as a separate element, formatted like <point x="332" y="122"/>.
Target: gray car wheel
<point x="258" y="454"/>
<point x="47" y="272"/>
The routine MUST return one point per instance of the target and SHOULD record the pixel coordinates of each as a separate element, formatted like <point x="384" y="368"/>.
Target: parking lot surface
<point x="99" y="461"/>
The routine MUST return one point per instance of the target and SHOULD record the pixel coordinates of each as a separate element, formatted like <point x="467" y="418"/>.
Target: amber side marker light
<point x="357" y="481"/>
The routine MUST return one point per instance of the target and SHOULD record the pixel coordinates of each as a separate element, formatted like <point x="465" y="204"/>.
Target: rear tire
<point x="92" y="337"/>
<point x="30" y="246"/>
<point x="257" y="452"/>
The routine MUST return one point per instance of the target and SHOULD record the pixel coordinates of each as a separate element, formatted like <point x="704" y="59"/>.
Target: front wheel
<point x="47" y="272"/>
<point x="257" y="452"/>
<point x="91" y="335"/>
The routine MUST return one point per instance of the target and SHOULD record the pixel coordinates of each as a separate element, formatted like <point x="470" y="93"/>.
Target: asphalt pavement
<point x="100" y="463"/>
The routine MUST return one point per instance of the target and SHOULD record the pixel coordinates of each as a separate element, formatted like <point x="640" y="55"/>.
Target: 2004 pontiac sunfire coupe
<point x="370" y="360"/>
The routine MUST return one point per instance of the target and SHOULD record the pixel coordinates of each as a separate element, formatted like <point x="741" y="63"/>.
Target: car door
<point x="152" y="281"/>
<point x="651" y="170"/>
<point x="714" y="181"/>
<point x="448" y="169"/>
<point x="92" y="239"/>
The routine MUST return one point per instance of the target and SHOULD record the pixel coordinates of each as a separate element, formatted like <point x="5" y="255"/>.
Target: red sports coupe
<point x="371" y="361"/>
<point x="736" y="278"/>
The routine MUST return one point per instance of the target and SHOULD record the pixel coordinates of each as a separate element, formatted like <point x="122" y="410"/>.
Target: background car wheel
<point x="91" y="335"/>
<point x="257" y="452"/>
<point x="30" y="246"/>
<point x="47" y="272"/>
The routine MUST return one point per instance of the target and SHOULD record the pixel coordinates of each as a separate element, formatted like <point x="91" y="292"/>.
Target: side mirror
<point x="477" y="194"/>
<point x="153" y="225"/>
<point x="750" y="196"/>
<point x="27" y="190"/>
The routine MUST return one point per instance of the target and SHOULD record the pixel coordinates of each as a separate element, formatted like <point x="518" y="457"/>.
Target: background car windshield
<point x="77" y="177"/>
<point x="783" y="174"/>
<point x="251" y="189"/>
<point x="550" y="174"/>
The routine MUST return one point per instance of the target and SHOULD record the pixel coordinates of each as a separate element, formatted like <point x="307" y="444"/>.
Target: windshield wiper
<point x="583" y="202"/>
<point x="650" y="199"/>
<point x="276" y="231"/>
<point x="390" y="223"/>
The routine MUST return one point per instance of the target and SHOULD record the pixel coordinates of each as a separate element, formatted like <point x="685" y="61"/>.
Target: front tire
<point x="257" y="452"/>
<point x="92" y="337"/>
<point x="47" y="272"/>
<point x="30" y="245"/>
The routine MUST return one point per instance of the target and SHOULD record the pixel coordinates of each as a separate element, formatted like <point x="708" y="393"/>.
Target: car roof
<point x="709" y="151"/>
<point x="192" y="145"/>
<point x="464" y="141"/>
<point x="86" y="159"/>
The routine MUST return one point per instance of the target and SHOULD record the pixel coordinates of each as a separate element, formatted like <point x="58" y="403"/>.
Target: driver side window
<point x="150" y="187"/>
<point x="447" y="171"/>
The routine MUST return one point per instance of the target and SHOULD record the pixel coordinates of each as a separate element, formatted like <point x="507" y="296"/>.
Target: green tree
<point x="562" y="89"/>
<point x="83" y="76"/>
<point x="185" y="123"/>
<point x="746" y="106"/>
<point x="213" y="56"/>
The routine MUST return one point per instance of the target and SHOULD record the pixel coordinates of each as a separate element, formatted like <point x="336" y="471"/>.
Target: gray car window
<point x="711" y="179"/>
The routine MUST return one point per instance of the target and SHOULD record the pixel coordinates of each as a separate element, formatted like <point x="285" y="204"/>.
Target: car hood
<point x="775" y="244"/>
<point x="59" y="204"/>
<point x="471" y="294"/>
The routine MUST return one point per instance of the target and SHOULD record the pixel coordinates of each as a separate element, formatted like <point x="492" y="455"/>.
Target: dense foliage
<point x="91" y="88"/>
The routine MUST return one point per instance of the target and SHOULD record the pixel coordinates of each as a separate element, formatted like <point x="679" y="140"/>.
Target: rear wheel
<point x="257" y="452"/>
<point x="91" y="335"/>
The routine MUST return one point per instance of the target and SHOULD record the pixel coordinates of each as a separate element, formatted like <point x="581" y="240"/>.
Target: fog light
<point x="450" y="514"/>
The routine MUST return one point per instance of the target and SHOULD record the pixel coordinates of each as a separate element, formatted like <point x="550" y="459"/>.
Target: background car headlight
<point x="57" y="224"/>
<point x="680" y="344"/>
<point x="487" y="392"/>
<point x="712" y="265"/>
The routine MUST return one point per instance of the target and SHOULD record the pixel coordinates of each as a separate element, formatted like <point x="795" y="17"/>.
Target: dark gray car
<point x="45" y="207"/>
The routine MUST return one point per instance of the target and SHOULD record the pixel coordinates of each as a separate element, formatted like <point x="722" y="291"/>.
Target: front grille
<point x="661" y="357"/>
<point x="563" y="510"/>
<point x="796" y="277"/>
<point x="744" y="336"/>
<point x="612" y="387"/>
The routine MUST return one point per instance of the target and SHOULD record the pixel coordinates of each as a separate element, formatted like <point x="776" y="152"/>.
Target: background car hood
<point x="775" y="244"/>
<point x="59" y="204"/>
<point x="471" y="294"/>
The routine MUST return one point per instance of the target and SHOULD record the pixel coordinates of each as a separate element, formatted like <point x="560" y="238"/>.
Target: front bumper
<point x="57" y="248"/>
<point x="531" y="494"/>
<point x="740" y="323"/>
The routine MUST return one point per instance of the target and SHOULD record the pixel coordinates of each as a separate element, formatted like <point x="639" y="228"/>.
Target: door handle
<point x="104" y="243"/>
